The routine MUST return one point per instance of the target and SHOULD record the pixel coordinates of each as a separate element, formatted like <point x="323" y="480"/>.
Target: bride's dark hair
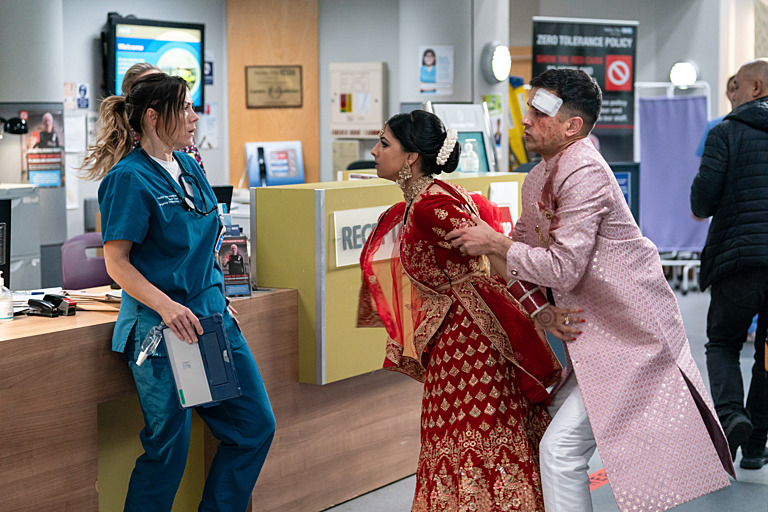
<point x="423" y="132"/>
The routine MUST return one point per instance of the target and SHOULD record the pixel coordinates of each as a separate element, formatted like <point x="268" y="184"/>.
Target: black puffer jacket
<point x="732" y="187"/>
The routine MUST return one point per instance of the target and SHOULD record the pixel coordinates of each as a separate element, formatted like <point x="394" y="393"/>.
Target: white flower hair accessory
<point x="451" y="136"/>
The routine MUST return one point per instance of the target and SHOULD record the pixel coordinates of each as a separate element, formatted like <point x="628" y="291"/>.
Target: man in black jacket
<point x="732" y="188"/>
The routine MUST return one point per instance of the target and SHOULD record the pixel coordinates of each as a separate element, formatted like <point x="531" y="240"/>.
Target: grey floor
<point x="748" y="494"/>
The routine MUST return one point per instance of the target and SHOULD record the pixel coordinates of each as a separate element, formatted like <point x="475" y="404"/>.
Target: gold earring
<point x="404" y="175"/>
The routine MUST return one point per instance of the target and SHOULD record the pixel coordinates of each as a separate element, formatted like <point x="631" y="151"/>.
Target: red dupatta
<point x="389" y="299"/>
<point x="387" y="296"/>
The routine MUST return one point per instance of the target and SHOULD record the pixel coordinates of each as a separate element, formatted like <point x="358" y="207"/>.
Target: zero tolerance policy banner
<point x="606" y="50"/>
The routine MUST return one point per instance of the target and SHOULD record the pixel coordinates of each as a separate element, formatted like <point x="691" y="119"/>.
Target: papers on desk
<point x="21" y="298"/>
<point x="96" y="299"/>
<point x="103" y="298"/>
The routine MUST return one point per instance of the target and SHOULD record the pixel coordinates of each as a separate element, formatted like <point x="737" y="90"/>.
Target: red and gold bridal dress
<point x="484" y="366"/>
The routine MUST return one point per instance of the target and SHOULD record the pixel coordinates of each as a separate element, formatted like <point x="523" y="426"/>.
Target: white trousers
<point x="566" y="448"/>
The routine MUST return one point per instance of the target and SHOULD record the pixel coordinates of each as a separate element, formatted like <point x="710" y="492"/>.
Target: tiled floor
<point x="748" y="494"/>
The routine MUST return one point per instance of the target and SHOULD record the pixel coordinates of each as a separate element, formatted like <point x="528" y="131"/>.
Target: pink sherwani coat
<point x="656" y="429"/>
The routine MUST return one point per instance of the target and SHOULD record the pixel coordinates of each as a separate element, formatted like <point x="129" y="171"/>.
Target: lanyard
<point x="187" y="202"/>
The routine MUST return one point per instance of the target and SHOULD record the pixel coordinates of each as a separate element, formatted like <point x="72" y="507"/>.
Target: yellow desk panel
<point x="293" y="242"/>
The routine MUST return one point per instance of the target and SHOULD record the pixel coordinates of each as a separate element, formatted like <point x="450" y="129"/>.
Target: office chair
<point x="361" y="164"/>
<point x="80" y="270"/>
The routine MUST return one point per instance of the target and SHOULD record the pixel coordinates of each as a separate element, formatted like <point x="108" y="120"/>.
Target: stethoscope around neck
<point x="186" y="202"/>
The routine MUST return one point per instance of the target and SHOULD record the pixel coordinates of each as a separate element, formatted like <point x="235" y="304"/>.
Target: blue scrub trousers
<point x="244" y="427"/>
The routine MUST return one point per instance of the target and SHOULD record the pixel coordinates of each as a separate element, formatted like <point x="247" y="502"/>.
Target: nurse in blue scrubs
<point x="160" y="227"/>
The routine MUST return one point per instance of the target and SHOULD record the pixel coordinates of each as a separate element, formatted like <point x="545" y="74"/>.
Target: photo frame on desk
<point x="274" y="163"/>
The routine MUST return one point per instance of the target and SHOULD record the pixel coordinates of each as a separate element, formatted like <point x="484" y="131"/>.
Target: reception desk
<point x="332" y="443"/>
<point x="308" y="237"/>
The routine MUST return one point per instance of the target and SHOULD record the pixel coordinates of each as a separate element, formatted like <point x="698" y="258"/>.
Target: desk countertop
<point x="23" y="326"/>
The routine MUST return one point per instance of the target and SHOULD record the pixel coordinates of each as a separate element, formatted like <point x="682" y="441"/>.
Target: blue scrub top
<point x="172" y="248"/>
<point x="710" y="124"/>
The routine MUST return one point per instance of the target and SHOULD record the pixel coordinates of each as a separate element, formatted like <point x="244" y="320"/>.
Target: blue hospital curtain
<point x="670" y="130"/>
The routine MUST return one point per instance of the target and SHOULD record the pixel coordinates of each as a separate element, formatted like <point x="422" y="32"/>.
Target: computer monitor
<point x="176" y="48"/>
<point x="223" y="194"/>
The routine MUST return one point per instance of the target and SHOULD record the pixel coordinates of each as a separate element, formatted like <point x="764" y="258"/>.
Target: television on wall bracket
<point x="176" y="48"/>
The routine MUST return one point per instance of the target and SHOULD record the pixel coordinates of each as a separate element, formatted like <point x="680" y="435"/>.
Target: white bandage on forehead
<point x="546" y="102"/>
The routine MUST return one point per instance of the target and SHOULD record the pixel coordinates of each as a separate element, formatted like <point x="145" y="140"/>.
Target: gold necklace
<point x="412" y="190"/>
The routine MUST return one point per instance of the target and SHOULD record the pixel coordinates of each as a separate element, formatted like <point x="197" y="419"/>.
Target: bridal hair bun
<point x="451" y="136"/>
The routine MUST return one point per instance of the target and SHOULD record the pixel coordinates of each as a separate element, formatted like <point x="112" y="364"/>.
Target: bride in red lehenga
<point x="451" y="325"/>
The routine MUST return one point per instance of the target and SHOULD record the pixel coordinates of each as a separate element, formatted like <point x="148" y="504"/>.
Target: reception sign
<point x="351" y="230"/>
<point x="606" y="50"/>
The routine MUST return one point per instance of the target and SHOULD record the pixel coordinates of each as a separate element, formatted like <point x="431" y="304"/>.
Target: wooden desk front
<point x="333" y="442"/>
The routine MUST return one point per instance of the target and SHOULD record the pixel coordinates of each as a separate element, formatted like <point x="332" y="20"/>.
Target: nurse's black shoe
<point x="753" y="460"/>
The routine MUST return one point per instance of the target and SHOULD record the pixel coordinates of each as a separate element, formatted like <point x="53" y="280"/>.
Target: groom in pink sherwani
<point x="630" y="387"/>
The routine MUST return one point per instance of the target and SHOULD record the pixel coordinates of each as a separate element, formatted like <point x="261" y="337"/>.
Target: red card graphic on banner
<point x="618" y="73"/>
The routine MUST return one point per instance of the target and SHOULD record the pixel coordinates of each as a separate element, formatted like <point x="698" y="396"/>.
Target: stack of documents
<point x="96" y="299"/>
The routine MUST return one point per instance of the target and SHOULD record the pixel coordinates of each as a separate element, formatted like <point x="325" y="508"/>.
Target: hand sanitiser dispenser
<point x="6" y="301"/>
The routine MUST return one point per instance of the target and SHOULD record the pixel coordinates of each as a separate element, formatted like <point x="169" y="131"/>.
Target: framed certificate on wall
<point x="273" y="86"/>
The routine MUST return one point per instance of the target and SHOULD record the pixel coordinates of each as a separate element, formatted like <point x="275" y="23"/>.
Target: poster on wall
<point x="436" y="70"/>
<point x="495" y="111"/>
<point x="274" y="163"/>
<point x="606" y="50"/>
<point x="357" y="99"/>
<point x="42" y="148"/>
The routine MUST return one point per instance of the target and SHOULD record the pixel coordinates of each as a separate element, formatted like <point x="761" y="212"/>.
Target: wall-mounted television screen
<point x="175" y="48"/>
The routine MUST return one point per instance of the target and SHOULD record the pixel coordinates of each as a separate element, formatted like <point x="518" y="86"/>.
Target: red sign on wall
<point x="618" y="73"/>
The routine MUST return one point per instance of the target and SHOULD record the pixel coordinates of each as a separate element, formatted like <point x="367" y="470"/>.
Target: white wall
<point x="360" y="31"/>
<point x="49" y="42"/>
<point x="712" y="33"/>
<point x="737" y="36"/>
<point x="435" y="23"/>
<point x="491" y="25"/>
<point x="640" y="11"/>
<point x="32" y="71"/>
<point x="392" y="31"/>
<point x="676" y="41"/>
<point x="520" y="25"/>
<point x="32" y="29"/>
<point x="83" y="22"/>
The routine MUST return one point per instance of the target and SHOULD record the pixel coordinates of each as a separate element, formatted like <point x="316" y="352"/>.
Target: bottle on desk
<point x="6" y="301"/>
<point x="469" y="161"/>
